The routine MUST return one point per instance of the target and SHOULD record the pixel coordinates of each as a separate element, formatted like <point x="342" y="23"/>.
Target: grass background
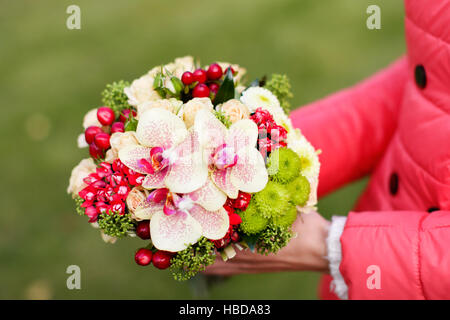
<point x="50" y="76"/>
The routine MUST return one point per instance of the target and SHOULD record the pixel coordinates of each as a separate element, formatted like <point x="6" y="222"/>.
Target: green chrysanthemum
<point x="299" y="190"/>
<point x="287" y="218"/>
<point x="114" y="97"/>
<point x="273" y="239"/>
<point x="272" y="200"/>
<point x="252" y="221"/>
<point x="284" y="165"/>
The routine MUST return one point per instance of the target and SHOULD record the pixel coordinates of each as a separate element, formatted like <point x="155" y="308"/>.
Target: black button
<point x="421" y="76"/>
<point x="393" y="184"/>
<point x="432" y="209"/>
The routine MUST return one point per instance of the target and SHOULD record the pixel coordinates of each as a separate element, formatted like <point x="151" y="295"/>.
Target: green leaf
<point x="131" y="124"/>
<point x="226" y="90"/>
<point x="158" y="81"/>
<point x="177" y="84"/>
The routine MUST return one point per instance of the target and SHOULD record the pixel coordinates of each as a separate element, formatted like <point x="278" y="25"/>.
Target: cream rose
<point x="135" y="201"/>
<point x="119" y="140"/>
<point x="235" y="110"/>
<point x="191" y="108"/>
<point x="173" y="105"/>
<point x="81" y="171"/>
<point x="141" y="90"/>
<point x="110" y="156"/>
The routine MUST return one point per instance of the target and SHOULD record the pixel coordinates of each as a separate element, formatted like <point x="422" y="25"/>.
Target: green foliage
<point x="114" y="97"/>
<point x="194" y="259"/>
<point x="252" y="220"/>
<point x="131" y="124"/>
<point x="284" y="165"/>
<point x="223" y="118"/>
<point x="281" y="87"/>
<point x="78" y="202"/>
<point x="115" y="225"/>
<point x="299" y="190"/>
<point x="163" y="91"/>
<point x="273" y="239"/>
<point x="226" y="90"/>
<point x="287" y="218"/>
<point x="273" y="200"/>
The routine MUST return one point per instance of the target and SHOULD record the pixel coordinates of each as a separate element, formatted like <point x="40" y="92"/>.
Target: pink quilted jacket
<point x="394" y="126"/>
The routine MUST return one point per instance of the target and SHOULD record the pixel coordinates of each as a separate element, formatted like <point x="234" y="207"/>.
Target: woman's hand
<point x="305" y="252"/>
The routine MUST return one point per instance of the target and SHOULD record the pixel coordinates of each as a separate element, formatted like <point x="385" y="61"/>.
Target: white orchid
<point x="233" y="160"/>
<point x="176" y="221"/>
<point x="167" y="153"/>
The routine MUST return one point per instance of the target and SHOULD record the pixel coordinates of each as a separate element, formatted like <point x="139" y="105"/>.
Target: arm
<point x="342" y="124"/>
<point x="393" y="255"/>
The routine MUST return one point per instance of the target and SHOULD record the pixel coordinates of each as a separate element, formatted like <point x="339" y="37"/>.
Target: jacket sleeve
<point x="396" y="255"/>
<point x="353" y="127"/>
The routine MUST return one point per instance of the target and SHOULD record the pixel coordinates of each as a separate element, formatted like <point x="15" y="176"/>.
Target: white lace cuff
<point x="335" y="256"/>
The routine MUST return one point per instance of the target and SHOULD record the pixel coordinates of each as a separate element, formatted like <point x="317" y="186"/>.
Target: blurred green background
<point x="50" y="76"/>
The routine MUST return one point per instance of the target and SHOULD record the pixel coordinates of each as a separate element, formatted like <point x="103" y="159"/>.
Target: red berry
<point x="90" y="133"/>
<point x="143" y="257"/>
<point x="102" y="140"/>
<point x="125" y="114"/>
<point x="95" y="151"/>
<point x="161" y="259"/>
<point x="200" y="91"/>
<point x="105" y="115"/>
<point x="143" y="229"/>
<point x="214" y="72"/>
<point x="117" y="127"/>
<point x="214" y="87"/>
<point x="187" y="78"/>
<point x="200" y="76"/>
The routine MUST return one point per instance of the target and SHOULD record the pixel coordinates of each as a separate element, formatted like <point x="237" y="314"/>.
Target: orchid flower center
<point x="173" y="203"/>
<point x="224" y="157"/>
<point x="156" y="162"/>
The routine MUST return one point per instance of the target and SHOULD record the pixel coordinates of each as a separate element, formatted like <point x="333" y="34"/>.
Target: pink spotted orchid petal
<point x="211" y="131"/>
<point x="188" y="170"/>
<point x="209" y="196"/>
<point x="131" y="156"/>
<point x="160" y="128"/>
<point x="155" y="180"/>
<point x="222" y="179"/>
<point x="250" y="173"/>
<point x="241" y="134"/>
<point x="175" y="232"/>
<point x="214" y="224"/>
<point x="146" y="210"/>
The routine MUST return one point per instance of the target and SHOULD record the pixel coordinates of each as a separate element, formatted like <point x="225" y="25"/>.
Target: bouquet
<point x="196" y="163"/>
